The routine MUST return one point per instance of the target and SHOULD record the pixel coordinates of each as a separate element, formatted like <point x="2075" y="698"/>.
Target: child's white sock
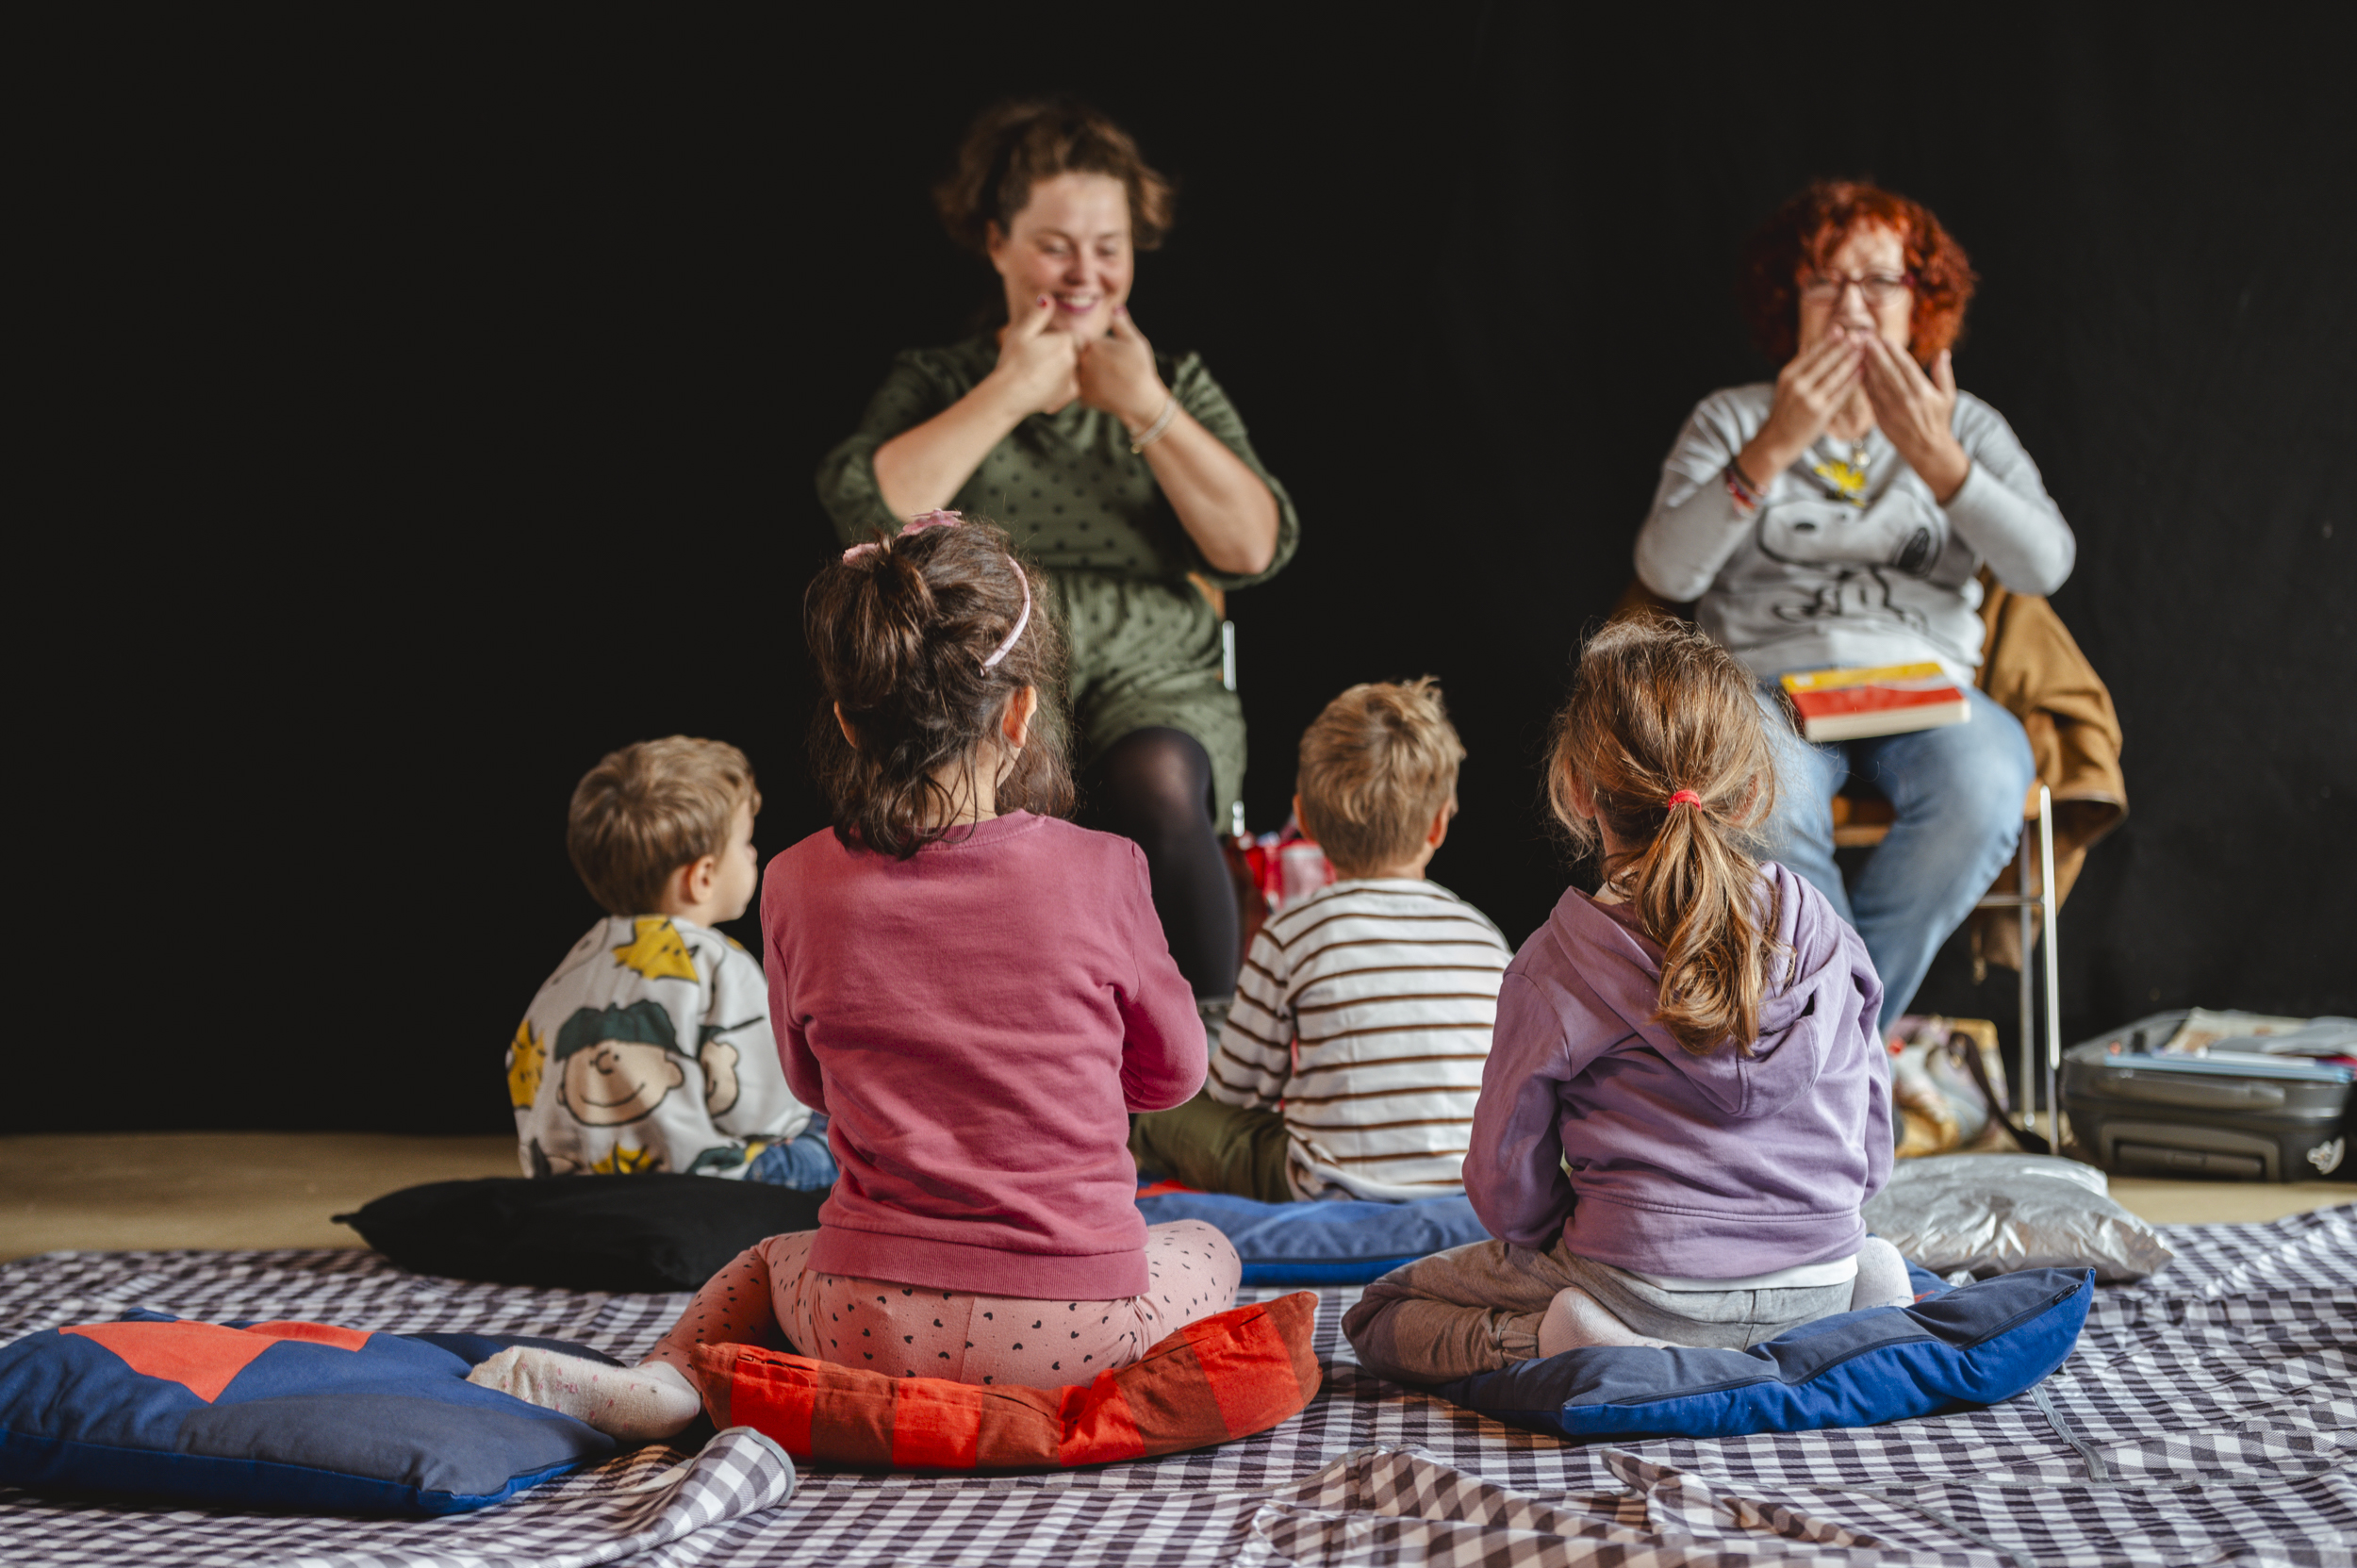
<point x="637" y="1404"/>
<point x="1882" y="1277"/>
<point x="1576" y="1318"/>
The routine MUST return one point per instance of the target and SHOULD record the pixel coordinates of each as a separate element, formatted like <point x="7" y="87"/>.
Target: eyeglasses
<point x="1880" y="288"/>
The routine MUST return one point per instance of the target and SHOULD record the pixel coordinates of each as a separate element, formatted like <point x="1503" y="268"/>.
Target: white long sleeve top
<point x="1816" y="580"/>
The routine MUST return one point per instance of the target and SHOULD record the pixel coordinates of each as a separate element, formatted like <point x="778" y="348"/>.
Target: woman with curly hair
<point x="1124" y="473"/>
<point x="1837" y="519"/>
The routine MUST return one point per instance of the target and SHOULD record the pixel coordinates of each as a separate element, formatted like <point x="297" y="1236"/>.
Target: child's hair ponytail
<point x="920" y="640"/>
<point x="1661" y="714"/>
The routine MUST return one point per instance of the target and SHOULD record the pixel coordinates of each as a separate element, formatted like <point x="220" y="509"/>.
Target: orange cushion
<point x="1226" y="1377"/>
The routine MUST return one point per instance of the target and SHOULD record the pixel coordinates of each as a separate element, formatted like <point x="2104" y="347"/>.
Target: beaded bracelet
<point x="1748" y="496"/>
<point x="1153" y="433"/>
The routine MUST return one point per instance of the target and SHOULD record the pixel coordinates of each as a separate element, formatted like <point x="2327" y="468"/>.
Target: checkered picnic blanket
<point x="2209" y="1415"/>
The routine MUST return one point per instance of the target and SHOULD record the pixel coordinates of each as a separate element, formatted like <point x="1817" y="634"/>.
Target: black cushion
<point x="658" y="1231"/>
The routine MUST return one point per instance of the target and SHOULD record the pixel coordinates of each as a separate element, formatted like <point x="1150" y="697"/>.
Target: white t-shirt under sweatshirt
<point x="1841" y="568"/>
<point x="649" y="1049"/>
<point x="1365" y="1011"/>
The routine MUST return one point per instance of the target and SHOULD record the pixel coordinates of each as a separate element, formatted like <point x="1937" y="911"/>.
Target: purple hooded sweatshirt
<point x="1721" y="1166"/>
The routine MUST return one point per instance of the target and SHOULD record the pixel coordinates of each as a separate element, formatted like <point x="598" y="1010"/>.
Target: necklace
<point x="1846" y="481"/>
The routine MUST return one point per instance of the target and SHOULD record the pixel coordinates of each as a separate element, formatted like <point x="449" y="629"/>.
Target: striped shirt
<point x="1363" y="1013"/>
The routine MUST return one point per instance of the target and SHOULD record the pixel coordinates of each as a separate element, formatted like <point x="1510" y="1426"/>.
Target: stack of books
<point x="1849" y="704"/>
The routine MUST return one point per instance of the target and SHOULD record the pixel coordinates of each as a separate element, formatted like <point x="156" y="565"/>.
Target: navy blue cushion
<point x="1974" y="1346"/>
<point x="1323" y="1244"/>
<point x="277" y="1414"/>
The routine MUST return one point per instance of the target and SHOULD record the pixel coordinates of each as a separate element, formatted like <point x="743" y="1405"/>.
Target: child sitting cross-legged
<point x="1352" y="1058"/>
<point x="979" y="994"/>
<point x="1686" y="1101"/>
<point x="649" y="1049"/>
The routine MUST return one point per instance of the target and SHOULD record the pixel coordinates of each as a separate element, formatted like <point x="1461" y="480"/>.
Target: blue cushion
<point x="277" y="1414"/>
<point x="1324" y="1244"/>
<point x="1974" y="1346"/>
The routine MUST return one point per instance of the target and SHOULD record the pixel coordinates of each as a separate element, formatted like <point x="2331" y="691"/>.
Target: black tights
<point x="1155" y="786"/>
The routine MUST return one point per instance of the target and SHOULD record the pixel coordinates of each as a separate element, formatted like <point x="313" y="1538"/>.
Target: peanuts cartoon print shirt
<point x="649" y="1049"/>
<point x="1851" y="560"/>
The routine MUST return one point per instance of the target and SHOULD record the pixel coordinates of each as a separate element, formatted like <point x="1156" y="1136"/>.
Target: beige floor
<point x="100" y="1192"/>
<point x="96" y="1192"/>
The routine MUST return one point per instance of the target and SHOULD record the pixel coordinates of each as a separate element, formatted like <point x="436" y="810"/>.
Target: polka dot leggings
<point x="911" y="1331"/>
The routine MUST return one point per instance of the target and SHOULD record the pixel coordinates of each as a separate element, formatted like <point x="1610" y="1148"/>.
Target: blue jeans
<point x="802" y="1163"/>
<point x="1957" y="793"/>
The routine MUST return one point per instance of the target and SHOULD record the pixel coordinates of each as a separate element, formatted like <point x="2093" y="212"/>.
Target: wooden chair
<point x="1862" y="820"/>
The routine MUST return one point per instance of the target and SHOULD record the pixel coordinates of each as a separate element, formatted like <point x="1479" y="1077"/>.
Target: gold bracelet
<point x="1153" y="433"/>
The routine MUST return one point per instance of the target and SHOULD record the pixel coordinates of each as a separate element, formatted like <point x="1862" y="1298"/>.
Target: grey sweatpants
<point x="1476" y="1308"/>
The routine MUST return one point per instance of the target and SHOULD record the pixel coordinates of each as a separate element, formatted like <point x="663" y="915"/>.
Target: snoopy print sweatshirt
<point x="648" y="1049"/>
<point x="1851" y="561"/>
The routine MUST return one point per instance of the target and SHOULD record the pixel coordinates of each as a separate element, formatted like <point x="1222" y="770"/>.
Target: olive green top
<point x="1065" y="485"/>
<point x="1144" y="645"/>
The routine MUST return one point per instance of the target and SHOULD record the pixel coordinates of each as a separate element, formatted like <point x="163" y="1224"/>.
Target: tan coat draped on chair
<point x="2032" y="667"/>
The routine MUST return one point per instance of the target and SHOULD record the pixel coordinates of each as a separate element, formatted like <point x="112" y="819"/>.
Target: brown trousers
<point x="1476" y="1308"/>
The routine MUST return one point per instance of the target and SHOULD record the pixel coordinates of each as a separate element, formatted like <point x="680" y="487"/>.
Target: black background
<point x="436" y="410"/>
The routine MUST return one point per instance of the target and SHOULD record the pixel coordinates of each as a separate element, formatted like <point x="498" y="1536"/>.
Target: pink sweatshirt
<point x="977" y="1022"/>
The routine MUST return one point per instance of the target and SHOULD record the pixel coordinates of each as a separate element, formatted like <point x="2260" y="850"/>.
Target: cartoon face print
<point x="1898" y="531"/>
<point x="720" y="1087"/>
<point x="616" y="1082"/>
<point x="615" y="1065"/>
<point x="719" y="1060"/>
<point x="1863" y="594"/>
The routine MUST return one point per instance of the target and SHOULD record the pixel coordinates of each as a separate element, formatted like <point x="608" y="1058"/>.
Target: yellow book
<point x="1850" y="704"/>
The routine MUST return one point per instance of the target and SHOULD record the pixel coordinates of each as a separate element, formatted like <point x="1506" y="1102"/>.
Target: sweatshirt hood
<point x="1801" y="1018"/>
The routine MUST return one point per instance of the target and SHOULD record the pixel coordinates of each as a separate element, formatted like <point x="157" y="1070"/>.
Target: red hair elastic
<point x="1683" y="797"/>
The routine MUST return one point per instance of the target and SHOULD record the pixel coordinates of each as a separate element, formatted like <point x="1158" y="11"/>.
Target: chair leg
<point x="1227" y="679"/>
<point x="2048" y="912"/>
<point x="2025" y="1103"/>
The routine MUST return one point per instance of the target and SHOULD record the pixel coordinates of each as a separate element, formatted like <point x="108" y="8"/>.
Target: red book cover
<point x="1847" y="704"/>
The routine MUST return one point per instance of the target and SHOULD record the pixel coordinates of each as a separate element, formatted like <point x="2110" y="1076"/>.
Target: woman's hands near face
<point x="1044" y="368"/>
<point x="1117" y="374"/>
<point x="1039" y="367"/>
<point x="1810" y="391"/>
<point x="1916" y="412"/>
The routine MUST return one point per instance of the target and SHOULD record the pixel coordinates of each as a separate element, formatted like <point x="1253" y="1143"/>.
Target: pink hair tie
<point x="1683" y="797"/>
<point x="916" y="524"/>
<point x="938" y="518"/>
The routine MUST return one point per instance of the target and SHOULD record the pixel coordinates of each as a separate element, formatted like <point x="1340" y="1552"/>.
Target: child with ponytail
<point x="1685" y="1103"/>
<point x="976" y="995"/>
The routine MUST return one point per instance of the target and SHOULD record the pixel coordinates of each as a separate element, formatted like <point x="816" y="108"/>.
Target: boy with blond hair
<point x="1352" y="1058"/>
<point x="650" y="1047"/>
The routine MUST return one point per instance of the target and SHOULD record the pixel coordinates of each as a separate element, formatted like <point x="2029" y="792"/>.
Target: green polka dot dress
<point x="1079" y="503"/>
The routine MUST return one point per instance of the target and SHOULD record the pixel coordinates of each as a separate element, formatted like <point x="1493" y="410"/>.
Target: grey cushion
<point x="1985" y="1215"/>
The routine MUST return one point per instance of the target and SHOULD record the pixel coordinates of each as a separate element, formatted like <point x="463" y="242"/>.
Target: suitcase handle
<point x="2203" y="1094"/>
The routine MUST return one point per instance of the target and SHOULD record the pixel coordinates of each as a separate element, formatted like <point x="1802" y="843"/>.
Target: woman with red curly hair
<point x="1837" y="519"/>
